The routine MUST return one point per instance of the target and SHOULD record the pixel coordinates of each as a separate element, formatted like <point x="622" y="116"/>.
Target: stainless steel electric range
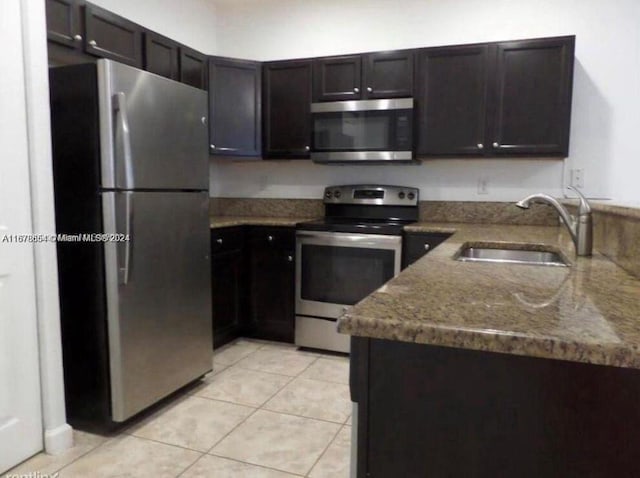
<point x="343" y="257"/>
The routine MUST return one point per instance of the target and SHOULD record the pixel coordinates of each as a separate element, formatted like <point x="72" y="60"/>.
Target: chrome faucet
<point x="580" y="227"/>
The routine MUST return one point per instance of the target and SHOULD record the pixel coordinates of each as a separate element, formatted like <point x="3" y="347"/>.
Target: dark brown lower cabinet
<point x="417" y="244"/>
<point x="228" y="284"/>
<point x="272" y="282"/>
<point x="445" y="412"/>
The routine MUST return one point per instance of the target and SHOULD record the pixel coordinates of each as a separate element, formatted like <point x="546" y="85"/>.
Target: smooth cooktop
<point x="354" y="225"/>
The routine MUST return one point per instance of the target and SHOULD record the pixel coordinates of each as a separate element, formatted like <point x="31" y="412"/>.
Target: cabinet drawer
<point x="277" y="237"/>
<point x="226" y="239"/>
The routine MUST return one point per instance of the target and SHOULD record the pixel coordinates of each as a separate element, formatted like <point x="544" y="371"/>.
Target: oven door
<point x="335" y="270"/>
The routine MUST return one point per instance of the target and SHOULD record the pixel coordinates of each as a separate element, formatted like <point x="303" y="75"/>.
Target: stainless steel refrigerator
<point x="131" y="189"/>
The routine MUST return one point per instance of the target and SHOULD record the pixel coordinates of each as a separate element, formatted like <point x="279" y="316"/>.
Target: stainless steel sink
<point x="512" y="254"/>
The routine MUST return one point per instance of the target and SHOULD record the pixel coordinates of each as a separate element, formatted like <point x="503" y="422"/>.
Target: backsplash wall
<point x="444" y="180"/>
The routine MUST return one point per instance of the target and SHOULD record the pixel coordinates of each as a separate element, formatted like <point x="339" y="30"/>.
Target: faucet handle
<point x="584" y="208"/>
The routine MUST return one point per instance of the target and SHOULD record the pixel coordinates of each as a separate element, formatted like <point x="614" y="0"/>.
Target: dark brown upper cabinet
<point x="532" y="96"/>
<point x="234" y="107"/>
<point x="337" y="78"/>
<point x="64" y="26"/>
<point x="388" y="74"/>
<point x="286" y="122"/>
<point x="451" y="100"/>
<point x="111" y="36"/>
<point x="507" y="98"/>
<point x="161" y="55"/>
<point x="193" y="68"/>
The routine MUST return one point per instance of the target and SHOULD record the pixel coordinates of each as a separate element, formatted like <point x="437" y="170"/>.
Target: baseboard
<point x="58" y="439"/>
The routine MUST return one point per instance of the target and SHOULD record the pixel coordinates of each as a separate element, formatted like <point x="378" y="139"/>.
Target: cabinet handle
<point x="93" y="43"/>
<point x="227" y="149"/>
<point x="356" y="90"/>
<point x="212" y="146"/>
<point x="480" y="146"/>
<point x="219" y="240"/>
<point x="496" y="144"/>
<point x="369" y="89"/>
<point x="77" y="37"/>
<point x="307" y="148"/>
<point x="270" y="238"/>
<point x="289" y="258"/>
<point x="427" y="246"/>
<point x="203" y="120"/>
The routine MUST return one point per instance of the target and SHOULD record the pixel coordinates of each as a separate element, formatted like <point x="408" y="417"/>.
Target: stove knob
<point x="401" y="194"/>
<point x="337" y="193"/>
<point x="328" y="194"/>
<point x="411" y="196"/>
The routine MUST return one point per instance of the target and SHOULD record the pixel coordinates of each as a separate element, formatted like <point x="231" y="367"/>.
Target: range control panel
<point x="371" y="195"/>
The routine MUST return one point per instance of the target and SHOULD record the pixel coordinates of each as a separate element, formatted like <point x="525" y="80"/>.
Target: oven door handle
<point x="369" y="241"/>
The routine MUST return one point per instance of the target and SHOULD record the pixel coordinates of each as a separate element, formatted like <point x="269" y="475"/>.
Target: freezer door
<point x="153" y="131"/>
<point x="158" y="295"/>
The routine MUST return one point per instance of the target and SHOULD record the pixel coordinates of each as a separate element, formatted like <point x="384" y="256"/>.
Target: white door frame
<point x="57" y="433"/>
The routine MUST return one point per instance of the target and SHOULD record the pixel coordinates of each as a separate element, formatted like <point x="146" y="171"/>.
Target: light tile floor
<point x="267" y="410"/>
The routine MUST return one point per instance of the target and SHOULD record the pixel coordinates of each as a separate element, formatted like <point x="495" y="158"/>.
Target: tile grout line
<point x="248" y="416"/>
<point x="75" y="459"/>
<point x="324" y="451"/>
<point x="261" y="371"/>
<point x="255" y="464"/>
<point x="291" y="379"/>
<point x="191" y="465"/>
<point x="168" y="444"/>
<point x="263" y="346"/>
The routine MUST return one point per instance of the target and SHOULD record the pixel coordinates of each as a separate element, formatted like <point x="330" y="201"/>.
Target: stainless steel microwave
<point x="361" y="131"/>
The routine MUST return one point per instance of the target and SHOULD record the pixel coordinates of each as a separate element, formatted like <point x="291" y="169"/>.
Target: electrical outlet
<point x="577" y="178"/>
<point x="483" y="186"/>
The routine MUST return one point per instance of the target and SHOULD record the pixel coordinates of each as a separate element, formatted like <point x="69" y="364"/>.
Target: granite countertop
<point x="228" y="221"/>
<point x="589" y="312"/>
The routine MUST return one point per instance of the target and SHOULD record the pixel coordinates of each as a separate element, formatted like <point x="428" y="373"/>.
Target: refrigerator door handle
<point x="128" y="238"/>
<point x="120" y="104"/>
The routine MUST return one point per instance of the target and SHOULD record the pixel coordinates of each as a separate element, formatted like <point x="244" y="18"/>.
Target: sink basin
<point x="511" y="254"/>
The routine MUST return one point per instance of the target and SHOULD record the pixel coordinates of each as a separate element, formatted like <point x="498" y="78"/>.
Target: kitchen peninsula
<point x="490" y="369"/>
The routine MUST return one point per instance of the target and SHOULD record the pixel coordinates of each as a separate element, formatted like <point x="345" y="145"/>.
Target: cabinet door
<point x="531" y="104"/>
<point x="161" y="55"/>
<point x="337" y="78"/>
<point x="388" y="74"/>
<point x="193" y="68"/>
<point x="228" y="284"/>
<point x="287" y="101"/>
<point x="111" y="36"/>
<point x="417" y="244"/>
<point x="63" y="23"/>
<point x="234" y="107"/>
<point x="451" y="100"/>
<point x="272" y="283"/>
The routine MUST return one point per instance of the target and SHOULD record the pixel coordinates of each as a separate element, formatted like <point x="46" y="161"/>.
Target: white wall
<point x="606" y="98"/>
<point x="191" y="22"/>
